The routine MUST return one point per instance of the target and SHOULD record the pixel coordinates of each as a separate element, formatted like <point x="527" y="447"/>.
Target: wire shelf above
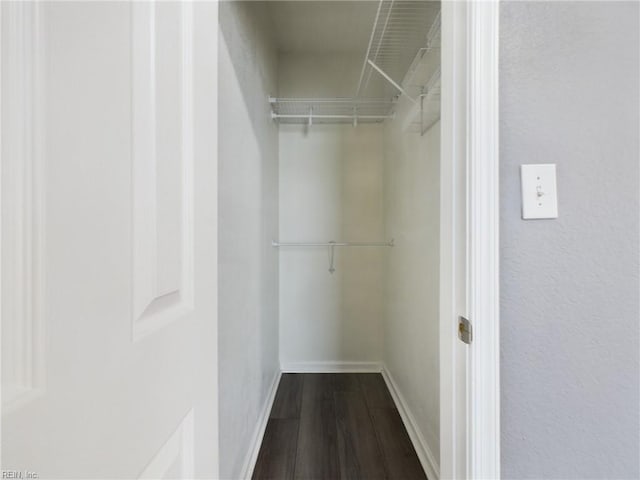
<point x="311" y="111"/>
<point x="403" y="32"/>
<point x="404" y="49"/>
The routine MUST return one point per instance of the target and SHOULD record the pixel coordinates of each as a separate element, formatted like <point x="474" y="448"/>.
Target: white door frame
<point x="470" y="411"/>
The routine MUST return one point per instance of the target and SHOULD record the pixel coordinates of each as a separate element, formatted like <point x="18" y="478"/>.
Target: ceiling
<point x="344" y="29"/>
<point x="317" y="26"/>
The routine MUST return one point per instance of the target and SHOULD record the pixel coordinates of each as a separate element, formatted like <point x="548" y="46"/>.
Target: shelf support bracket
<point x="392" y="81"/>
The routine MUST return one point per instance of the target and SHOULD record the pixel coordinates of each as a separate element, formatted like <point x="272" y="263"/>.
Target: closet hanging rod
<point x="332" y="244"/>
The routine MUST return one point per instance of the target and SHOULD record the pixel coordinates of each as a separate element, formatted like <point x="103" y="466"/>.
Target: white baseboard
<point x="426" y="456"/>
<point x="331" y="367"/>
<point x="258" y="434"/>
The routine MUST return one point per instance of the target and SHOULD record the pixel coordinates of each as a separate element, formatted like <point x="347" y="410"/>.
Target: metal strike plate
<point x="465" y="330"/>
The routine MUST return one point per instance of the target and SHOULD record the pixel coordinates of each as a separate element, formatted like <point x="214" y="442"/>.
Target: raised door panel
<point x="162" y="165"/>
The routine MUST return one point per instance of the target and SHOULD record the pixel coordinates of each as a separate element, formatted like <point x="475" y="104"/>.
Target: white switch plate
<point x="539" y="195"/>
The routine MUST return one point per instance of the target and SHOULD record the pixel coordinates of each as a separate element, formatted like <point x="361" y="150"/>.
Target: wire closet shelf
<point x="405" y="34"/>
<point x="331" y="110"/>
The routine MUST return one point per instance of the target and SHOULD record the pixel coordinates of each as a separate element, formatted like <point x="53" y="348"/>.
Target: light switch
<point x="539" y="195"/>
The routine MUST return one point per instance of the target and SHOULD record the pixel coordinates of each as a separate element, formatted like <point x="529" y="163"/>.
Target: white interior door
<point x="109" y="347"/>
<point x="454" y="354"/>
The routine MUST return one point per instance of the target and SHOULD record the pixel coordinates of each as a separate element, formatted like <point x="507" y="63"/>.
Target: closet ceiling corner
<point x="403" y="49"/>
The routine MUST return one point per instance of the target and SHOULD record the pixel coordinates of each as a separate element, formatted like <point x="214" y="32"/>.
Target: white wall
<point x="372" y="182"/>
<point x="332" y="74"/>
<point x="331" y="189"/>
<point x="412" y="193"/>
<point x="248" y="221"/>
<point x="569" y="94"/>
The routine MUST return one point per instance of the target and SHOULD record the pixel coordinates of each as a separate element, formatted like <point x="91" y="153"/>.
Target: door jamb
<point x="470" y="47"/>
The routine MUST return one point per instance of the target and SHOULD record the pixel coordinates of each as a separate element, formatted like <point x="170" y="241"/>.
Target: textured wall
<point x="328" y="74"/>
<point x="569" y="350"/>
<point x="248" y="220"/>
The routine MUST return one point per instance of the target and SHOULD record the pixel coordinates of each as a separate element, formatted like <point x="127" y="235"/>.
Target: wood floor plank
<point x="336" y="427"/>
<point x="317" y="453"/>
<point x="359" y="453"/>
<point x="400" y="457"/>
<point x="375" y="391"/>
<point x="277" y="456"/>
<point x="288" y="397"/>
<point x="346" y="382"/>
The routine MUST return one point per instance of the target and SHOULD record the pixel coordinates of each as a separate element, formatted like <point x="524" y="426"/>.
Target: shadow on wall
<point x="248" y="221"/>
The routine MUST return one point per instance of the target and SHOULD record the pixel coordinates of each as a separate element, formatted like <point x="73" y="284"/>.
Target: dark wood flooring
<point x="335" y="427"/>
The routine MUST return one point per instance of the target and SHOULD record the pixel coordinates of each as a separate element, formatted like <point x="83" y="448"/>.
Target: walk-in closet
<point x="329" y="207"/>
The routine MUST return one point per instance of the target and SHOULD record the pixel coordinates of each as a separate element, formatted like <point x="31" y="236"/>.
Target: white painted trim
<point x="179" y="447"/>
<point x="469" y="376"/>
<point x="453" y="365"/>
<point x="24" y="209"/>
<point x="258" y="435"/>
<point x="426" y="456"/>
<point x="331" y="367"/>
<point x="484" y="225"/>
